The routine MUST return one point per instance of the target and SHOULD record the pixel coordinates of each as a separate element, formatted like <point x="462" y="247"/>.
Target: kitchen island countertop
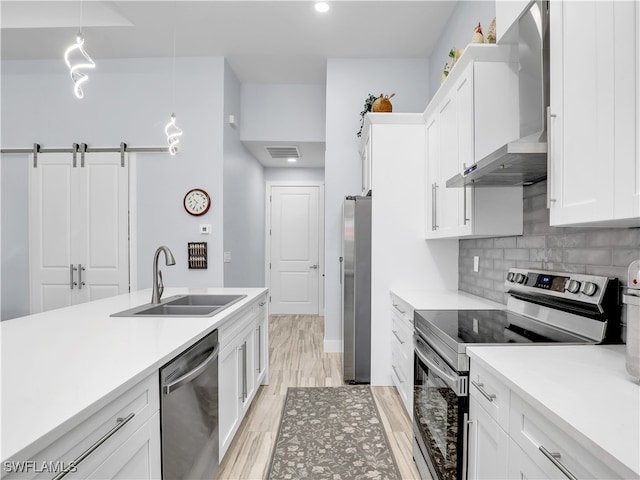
<point x="584" y="389"/>
<point x="61" y="366"/>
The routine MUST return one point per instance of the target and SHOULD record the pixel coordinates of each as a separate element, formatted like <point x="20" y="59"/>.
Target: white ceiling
<point x="284" y="41"/>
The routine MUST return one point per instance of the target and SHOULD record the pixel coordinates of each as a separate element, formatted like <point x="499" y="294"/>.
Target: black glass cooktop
<point x="460" y="327"/>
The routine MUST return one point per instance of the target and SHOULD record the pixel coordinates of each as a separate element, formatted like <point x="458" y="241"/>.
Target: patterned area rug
<point x="332" y="433"/>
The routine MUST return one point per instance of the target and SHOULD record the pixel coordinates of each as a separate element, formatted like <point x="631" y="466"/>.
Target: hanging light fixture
<point x="82" y="63"/>
<point x="173" y="133"/>
<point x="171" y="130"/>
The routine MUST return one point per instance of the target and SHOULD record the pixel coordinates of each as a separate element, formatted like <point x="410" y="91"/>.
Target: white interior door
<point x="79" y="238"/>
<point x="294" y="250"/>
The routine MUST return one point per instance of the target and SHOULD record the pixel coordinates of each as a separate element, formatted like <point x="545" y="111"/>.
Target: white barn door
<point x="79" y="229"/>
<point x="294" y="250"/>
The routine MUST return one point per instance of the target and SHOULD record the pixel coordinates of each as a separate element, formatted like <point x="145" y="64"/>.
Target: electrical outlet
<point x="476" y="263"/>
<point x="227" y="257"/>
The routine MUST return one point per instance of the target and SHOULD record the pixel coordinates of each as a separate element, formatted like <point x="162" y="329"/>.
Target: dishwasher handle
<point x="187" y="377"/>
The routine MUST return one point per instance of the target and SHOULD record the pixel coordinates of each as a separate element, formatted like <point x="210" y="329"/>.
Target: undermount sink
<point x="197" y="305"/>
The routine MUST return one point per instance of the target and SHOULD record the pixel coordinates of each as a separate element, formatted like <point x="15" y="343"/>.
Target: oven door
<point x="440" y="413"/>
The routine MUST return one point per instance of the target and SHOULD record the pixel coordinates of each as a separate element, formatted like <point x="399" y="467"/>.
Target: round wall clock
<point x="197" y="202"/>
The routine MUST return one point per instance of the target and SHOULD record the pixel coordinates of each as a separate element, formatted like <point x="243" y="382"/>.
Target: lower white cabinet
<point x="402" y="350"/>
<point x="510" y="438"/>
<point x="242" y="367"/>
<point x="488" y="444"/>
<point x="121" y="440"/>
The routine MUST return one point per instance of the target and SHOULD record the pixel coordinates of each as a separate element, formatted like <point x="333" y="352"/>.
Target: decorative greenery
<point x="368" y="103"/>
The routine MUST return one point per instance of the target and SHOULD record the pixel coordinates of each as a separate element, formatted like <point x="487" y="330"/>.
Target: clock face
<point x="197" y="202"/>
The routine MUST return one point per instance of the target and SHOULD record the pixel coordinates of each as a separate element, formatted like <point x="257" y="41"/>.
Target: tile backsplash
<point x="599" y="251"/>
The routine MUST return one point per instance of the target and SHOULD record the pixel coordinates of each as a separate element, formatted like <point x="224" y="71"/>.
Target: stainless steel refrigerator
<point x="355" y="274"/>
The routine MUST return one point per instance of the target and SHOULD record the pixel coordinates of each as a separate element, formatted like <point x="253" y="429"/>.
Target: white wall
<point x="349" y="81"/>
<point x="130" y="101"/>
<point x="283" y="112"/>
<point x="244" y="200"/>
<point x="273" y="174"/>
<point x="458" y="33"/>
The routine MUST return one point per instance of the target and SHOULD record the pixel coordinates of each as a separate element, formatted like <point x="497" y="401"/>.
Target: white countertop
<point x="583" y="388"/>
<point x="445" y="300"/>
<point x="61" y="366"/>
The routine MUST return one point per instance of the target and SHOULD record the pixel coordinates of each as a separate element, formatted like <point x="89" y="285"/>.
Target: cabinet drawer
<point x="491" y="394"/>
<point x="403" y="309"/>
<point x="550" y="447"/>
<point x="402" y="337"/>
<point x="402" y="376"/>
<point x="119" y="420"/>
<point x="237" y="323"/>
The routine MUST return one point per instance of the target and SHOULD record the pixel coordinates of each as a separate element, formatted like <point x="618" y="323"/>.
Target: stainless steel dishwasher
<point x="189" y="412"/>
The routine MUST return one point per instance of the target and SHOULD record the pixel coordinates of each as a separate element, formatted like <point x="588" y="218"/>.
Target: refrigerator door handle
<point x="341" y="264"/>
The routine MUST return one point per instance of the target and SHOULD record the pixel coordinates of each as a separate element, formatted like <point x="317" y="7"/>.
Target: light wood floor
<point x="296" y="359"/>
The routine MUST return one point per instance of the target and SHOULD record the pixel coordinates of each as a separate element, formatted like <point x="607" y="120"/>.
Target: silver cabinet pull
<point x="549" y="189"/>
<point x="398" y="308"/>
<point x="259" y="335"/>
<point x="80" y="282"/>
<point x="398" y="337"/>
<point x="489" y="396"/>
<point x="262" y="304"/>
<point x="554" y="458"/>
<point x="71" y="270"/>
<point x="434" y="206"/>
<point x="397" y="374"/>
<point x="121" y="422"/>
<point x="243" y="356"/>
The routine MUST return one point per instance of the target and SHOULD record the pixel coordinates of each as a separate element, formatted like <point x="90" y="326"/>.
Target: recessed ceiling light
<point x="322" y="7"/>
<point x="292" y="160"/>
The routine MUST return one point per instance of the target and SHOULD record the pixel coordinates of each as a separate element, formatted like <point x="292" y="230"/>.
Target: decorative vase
<point x="382" y="103"/>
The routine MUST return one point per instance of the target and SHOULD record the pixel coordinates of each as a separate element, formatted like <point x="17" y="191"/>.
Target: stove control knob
<point x="510" y="276"/>
<point x="573" y="286"/>
<point x="589" y="289"/>
<point x="520" y="278"/>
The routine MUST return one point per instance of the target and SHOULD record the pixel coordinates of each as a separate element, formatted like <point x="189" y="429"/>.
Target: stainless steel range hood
<point x="523" y="161"/>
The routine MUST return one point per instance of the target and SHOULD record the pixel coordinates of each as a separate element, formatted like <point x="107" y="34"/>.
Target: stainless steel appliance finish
<point x="356" y="289"/>
<point x="189" y="412"/>
<point x="543" y="308"/>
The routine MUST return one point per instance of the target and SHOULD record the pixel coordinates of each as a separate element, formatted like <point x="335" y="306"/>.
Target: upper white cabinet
<point x="508" y="12"/>
<point x="474" y="112"/>
<point x="594" y="175"/>
<point x="365" y="157"/>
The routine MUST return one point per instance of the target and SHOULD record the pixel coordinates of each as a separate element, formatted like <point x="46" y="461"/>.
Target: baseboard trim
<point x="332" y="346"/>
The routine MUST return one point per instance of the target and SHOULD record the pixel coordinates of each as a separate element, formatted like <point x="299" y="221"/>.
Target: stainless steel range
<point x="543" y="308"/>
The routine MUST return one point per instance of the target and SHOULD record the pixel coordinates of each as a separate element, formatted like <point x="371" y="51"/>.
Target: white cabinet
<point x="594" y="172"/>
<point x="508" y="12"/>
<point x="488" y="424"/>
<point x="474" y="112"/>
<point x="121" y="440"/>
<point x="488" y="445"/>
<point x="402" y="350"/>
<point x="243" y="366"/>
<point x="548" y="445"/>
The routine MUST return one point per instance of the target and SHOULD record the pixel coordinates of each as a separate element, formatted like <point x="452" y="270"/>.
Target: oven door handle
<point x="452" y="382"/>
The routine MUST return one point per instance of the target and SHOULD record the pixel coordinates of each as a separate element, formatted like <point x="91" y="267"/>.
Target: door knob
<point x="314" y="267"/>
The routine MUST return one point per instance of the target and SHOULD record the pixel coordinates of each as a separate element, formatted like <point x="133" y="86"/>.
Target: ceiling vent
<point x="281" y="151"/>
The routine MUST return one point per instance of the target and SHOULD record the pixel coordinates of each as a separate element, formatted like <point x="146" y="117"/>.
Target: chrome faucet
<point x="158" y="286"/>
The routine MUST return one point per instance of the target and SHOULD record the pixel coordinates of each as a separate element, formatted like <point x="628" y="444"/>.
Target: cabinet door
<point x="488" y="445"/>
<point x="432" y="176"/>
<point x="137" y="458"/>
<point x="246" y="356"/>
<point x="593" y="175"/>
<point x="521" y="466"/>
<point x="229" y="395"/>
<point x="366" y="163"/>
<point x="448" y="199"/>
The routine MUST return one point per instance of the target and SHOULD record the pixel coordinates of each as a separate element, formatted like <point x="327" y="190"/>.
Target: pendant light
<point x="82" y="62"/>
<point x="171" y="130"/>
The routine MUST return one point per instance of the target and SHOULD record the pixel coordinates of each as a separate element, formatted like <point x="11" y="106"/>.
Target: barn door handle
<point x="71" y="270"/>
<point x="80" y="282"/>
